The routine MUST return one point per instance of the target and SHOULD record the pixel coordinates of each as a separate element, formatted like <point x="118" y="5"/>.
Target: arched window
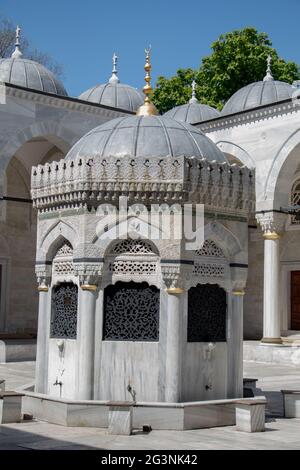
<point x="64" y="295"/>
<point x="295" y="200"/>
<point x="207" y="308"/>
<point x="131" y="312"/>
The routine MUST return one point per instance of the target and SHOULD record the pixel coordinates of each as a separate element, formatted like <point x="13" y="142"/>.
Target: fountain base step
<point x="158" y="415"/>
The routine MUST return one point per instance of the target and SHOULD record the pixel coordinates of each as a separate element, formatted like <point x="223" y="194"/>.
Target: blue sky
<point x="82" y="35"/>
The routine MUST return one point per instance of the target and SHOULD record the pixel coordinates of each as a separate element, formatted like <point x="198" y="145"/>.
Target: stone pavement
<point x="280" y="433"/>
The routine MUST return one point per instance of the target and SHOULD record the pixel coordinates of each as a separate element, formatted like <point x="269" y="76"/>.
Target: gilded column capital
<point x="43" y="271"/>
<point x="89" y="274"/>
<point x="174" y="275"/>
<point x="272" y="224"/>
<point x="239" y="292"/>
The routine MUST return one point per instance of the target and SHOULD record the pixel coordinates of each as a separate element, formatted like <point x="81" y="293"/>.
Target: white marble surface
<point x="272" y="319"/>
<point x="291" y="405"/>
<point x="10" y="409"/>
<point x="250" y="418"/>
<point x="120" y="420"/>
<point x="272" y="354"/>
<point x="209" y="416"/>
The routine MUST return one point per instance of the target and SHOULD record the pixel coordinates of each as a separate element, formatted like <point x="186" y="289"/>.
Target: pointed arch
<point x="55" y="236"/>
<point x="223" y="238"/>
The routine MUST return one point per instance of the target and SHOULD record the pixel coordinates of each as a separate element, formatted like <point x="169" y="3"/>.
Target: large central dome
<point x="146" y="136"/>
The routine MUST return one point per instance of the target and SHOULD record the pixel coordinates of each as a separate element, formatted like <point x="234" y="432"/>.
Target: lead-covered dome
<point x="261" y="93"/>
<point x="28" y="73"/>
<point x="114" y="93"/>
<point x="258" y="94"/>
<point x="193" y="112"/>
<point x="146" y="136"/>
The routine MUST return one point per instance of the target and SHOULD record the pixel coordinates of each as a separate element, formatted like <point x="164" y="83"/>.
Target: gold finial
<point x="148" y="108"/>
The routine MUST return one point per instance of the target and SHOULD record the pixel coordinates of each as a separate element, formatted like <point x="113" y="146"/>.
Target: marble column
<point x="272" y="320"/>
<point x="41" y="368"/>
<point x="176" y="297"/>
<point x="235" y="345"/>
<point x="86" y="340"/>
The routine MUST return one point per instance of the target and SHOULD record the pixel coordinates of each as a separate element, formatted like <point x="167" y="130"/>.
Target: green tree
<point x="237" y="59"/>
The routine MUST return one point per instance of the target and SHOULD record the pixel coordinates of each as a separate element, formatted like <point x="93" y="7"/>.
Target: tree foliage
<point x="7" y="45"/>
<point x="237" y="59"/>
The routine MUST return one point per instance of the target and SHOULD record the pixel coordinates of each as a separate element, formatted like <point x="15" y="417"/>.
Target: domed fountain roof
<point x="28" y="73"/>
<point x="114" y="93"/>
<point x="146" y="136"/>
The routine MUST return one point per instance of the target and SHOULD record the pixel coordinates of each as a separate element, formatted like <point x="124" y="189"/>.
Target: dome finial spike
<point x="17" y="52"/>
<point x="114" y="76"/>
<point x="148" y="108"/>
<point x="269" y="75"/>
<point x="193" y="98"/>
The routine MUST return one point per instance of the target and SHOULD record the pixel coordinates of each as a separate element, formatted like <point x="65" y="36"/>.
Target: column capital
<point x="89" y="274"/>
<point x="175" y="276"/>
<point x="43" y="287"/>
<point x="239" y="292"/>
<point x="89" y="287"/>
<point x="272" y="224"/>
<point x="43" y="273"/>
<point x="175" y="290"/>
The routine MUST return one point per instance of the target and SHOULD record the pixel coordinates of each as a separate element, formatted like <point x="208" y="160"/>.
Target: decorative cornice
<point x="89" y="182"/>
<point x="260" y="113"/>
<point x="65" y="102"/>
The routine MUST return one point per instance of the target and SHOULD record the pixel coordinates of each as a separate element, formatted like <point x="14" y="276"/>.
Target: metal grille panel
<point x="64" y="311"/>
<point x="207" y="308"/>
<point x="131" y="312"/>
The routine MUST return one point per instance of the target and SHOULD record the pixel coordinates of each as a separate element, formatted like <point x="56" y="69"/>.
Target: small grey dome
<point x="30" y="74"/>
<point x="115" y="95"/>
<point x="193" y="113"/>
<point x="146" y="136"/>
<point x="258" y="94"/>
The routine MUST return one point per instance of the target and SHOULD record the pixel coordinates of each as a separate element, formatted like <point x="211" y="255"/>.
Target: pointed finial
<point x="148" y="108"/>
<point x="114" y="77"/>
<point x="17" y="52"/>
<point x="269" y="75"/>
<point x="193" y="98"/>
